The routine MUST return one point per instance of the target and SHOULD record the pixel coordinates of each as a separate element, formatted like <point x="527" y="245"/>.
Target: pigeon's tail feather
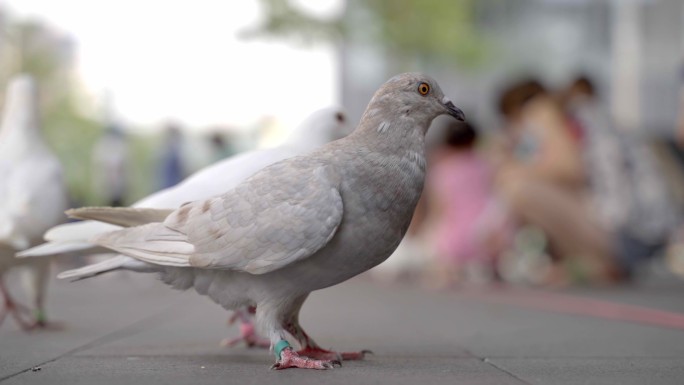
<point x="70" y="239"/>
<point x="58" y="247"/>
<point x="120" y="216"/>
<point x="120" y="262"/>
<point x="78" y="231"/>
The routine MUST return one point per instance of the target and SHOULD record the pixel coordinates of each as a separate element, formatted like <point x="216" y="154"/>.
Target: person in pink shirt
<point x="468" y="225"/>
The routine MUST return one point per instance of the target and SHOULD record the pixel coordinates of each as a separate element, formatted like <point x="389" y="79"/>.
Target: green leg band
<point x="40" y="316"/>
<point x="278" y="348"/>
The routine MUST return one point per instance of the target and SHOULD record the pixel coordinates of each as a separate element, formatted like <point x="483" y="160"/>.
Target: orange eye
<point x="423" y="88"/>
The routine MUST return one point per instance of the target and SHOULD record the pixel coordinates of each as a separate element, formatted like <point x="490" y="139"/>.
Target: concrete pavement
<point x="127" y="328"/>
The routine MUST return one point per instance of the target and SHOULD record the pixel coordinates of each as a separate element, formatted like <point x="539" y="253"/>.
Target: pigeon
<point x="32" y="196"/>
<point x="302" y="224"/>
<point x="322" y="126"/>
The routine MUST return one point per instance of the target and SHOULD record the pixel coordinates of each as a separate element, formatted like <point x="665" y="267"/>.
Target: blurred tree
<point x="407" y="29"/>
<point x="282" y="19"/>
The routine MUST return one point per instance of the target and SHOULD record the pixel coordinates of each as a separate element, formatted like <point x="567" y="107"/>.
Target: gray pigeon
<point x="299" y="225"/>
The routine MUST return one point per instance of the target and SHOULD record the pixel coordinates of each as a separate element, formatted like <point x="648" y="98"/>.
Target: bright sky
<point x="183" y="60"/>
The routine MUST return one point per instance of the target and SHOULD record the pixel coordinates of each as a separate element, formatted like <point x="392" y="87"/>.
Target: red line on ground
<point x="576" y="305"/>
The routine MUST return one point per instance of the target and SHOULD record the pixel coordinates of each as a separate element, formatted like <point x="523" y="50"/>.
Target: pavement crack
<point x="490" y="362"/>
<point x="486" y="360"/>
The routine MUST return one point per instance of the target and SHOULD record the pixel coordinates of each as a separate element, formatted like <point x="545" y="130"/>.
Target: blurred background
<point x="570" y="170"/>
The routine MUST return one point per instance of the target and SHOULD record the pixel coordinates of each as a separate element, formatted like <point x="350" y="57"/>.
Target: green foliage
<point x="72" y="137"/>
<point x="408" y="29"/>
<point x="282" y="19"/>
<point x="436" y="29"/>
<point x="38" y="55"/>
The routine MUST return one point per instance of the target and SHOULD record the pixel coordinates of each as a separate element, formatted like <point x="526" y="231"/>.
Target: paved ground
<point x="127" y="329"/>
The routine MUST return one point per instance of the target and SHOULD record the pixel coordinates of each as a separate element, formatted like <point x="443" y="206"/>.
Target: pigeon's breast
<point x="379" y="200"/>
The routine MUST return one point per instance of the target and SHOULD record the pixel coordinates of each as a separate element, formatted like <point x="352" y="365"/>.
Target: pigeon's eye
<point x="423" y="88"/>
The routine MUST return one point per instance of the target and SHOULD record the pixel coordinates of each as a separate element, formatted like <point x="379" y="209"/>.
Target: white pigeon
<point x="302" y="224"/>
<point x="32" y="194"/>
<point x="323" y="126"/>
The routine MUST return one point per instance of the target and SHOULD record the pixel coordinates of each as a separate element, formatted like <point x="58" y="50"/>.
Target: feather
<point x="120" y="216"/>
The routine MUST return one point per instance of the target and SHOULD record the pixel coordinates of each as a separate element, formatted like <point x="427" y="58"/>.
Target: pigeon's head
<point x="21" y="108"/>
<point x="322" y="126"/>
<point x="415" y="96"/>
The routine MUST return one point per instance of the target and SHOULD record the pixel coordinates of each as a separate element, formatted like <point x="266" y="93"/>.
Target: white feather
<point x="119" y="262"/>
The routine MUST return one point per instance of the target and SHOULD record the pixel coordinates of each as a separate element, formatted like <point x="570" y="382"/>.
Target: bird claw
<point x="325" y="365"/>
<point x="334" y="364"/>
<point x="355" y="356"/>
<point x="290" y="359"/>
<point x="247" y="335"/>
<point x="323" y="354"/>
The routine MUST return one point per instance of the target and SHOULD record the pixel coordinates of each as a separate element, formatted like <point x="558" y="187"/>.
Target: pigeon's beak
<point x="453" y="110"/>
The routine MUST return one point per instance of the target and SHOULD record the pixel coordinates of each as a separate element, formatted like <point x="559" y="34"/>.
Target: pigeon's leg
<point x="310" y="348"/>
<point x="35" y="278"/>
<point x="270" y="317"/>
<point x="13" y="308"/>
<point x="247" y="331"/>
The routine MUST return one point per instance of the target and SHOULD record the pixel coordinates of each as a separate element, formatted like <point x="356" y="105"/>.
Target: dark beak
<point x="455" y="111"/>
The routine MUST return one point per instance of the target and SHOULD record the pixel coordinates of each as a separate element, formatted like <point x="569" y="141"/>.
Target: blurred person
<point x="110" y="157"/>
<point x="538" y="137"/>
<point x="171" y="162"/>
<point x="628" y="191"/>
<point x="541" y="177"/>
<point x="468" y="227"/>
<point x="670" y="151"/>
<point x="221" y="148"/>
<point x="679" y="130"/>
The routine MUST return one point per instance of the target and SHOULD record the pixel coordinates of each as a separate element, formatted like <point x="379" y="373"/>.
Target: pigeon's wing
<point x="275" y="218"/>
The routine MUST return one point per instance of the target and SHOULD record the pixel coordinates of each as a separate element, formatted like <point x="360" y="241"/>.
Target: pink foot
<point x="290" y="359"/>
<point x="48" y="325"/>
<point x="17" y="311"/>
<point x="41" y="323"/>
<point x="248" y="336"/>
<point x="322" y="354"/>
